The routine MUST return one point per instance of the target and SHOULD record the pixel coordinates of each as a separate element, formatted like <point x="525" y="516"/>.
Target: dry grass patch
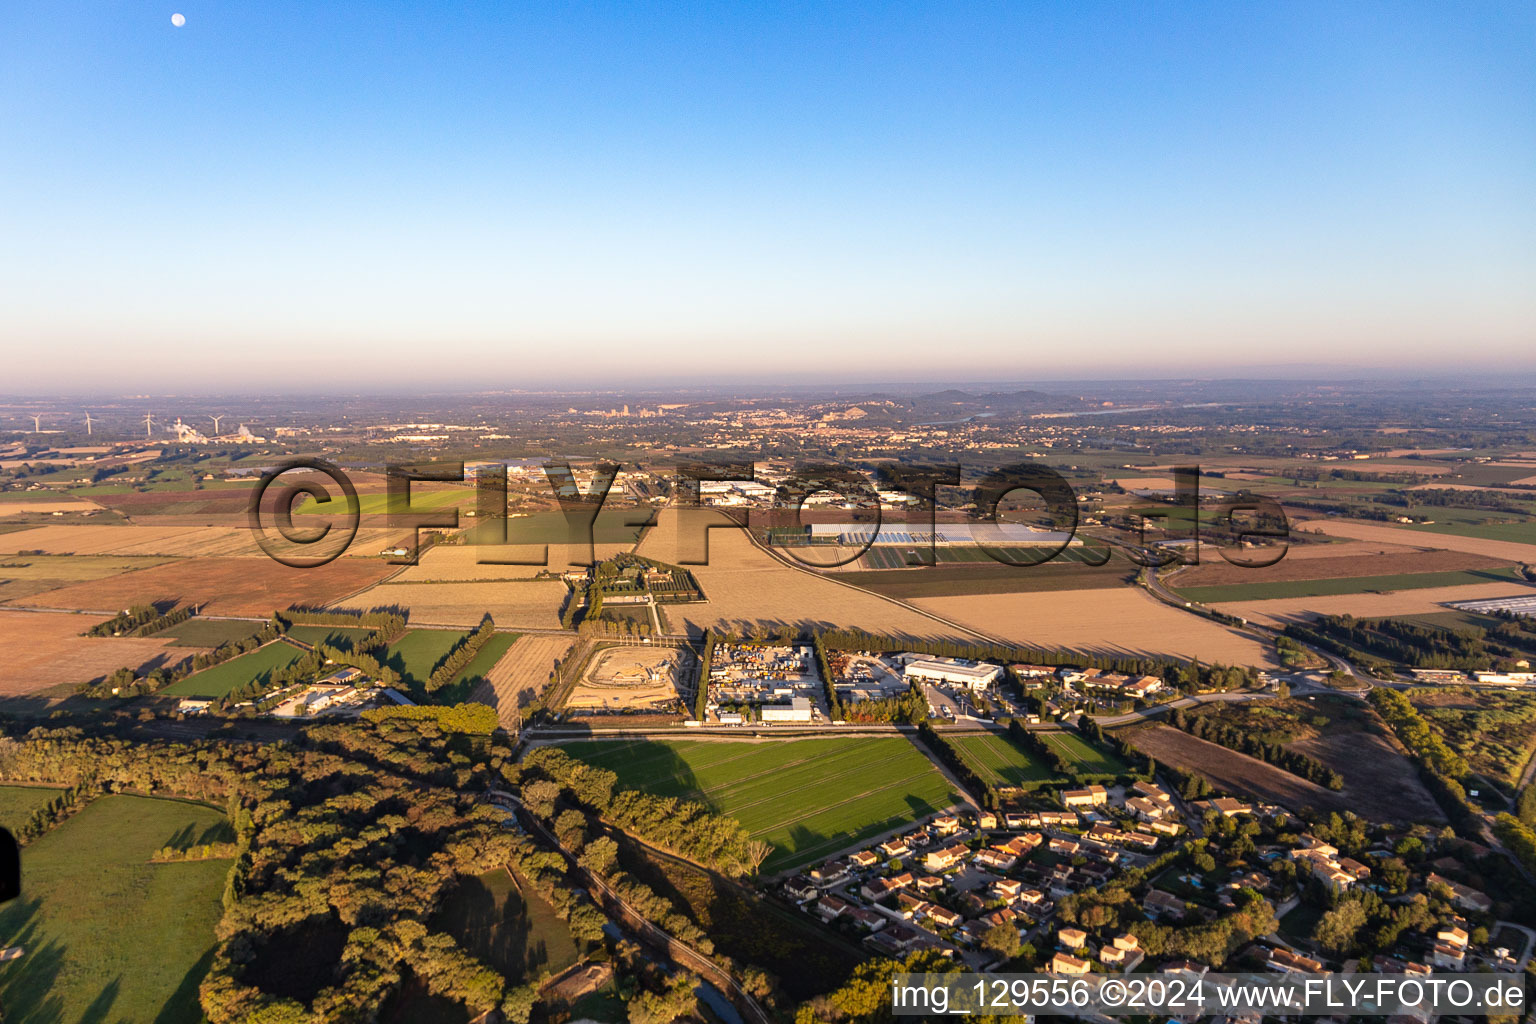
<point x="468" y="562"/>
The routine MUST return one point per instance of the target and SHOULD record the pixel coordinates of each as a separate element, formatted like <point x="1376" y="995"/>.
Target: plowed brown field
<point x="42" y="649"/>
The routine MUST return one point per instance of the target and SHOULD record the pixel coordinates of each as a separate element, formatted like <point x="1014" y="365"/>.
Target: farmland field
<point x="1512" y="548"/>
<point x="108" y="935"/>
<point x="24" y="575"/>
<point x="477" y="673"/>
<point x="416" y="653"/>
<point x="744" y="586"/>
<point x="809" y="798"/>
<point x="39" y="650"/>
<point x="196" y="632"/>
<point x="458" y="563"/>
<point x="177" y="541"/>
<point x="1112" y="622"/>
<point x="521" y="675"/>
<point x="257" y="665"/>
<point x="1000" y="761"/>
<point x="219" y="586"/>
<point x="1084" y="758"/>
<point x="1330" y="562"/>
<point x="1419" y="601"/>
<point x="524" y="603"/>
<point x="1264" y="591"/>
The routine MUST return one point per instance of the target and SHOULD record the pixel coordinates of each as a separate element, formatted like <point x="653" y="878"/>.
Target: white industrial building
<point x="971" y="675"/>
<point x="797" y="710"/>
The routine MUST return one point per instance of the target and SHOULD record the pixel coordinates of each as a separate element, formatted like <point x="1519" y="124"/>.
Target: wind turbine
<point x="216" y="424"/>
<point x="37" y="424"/>
<point x="149" y="418"/>
<point x="88" y="424"/>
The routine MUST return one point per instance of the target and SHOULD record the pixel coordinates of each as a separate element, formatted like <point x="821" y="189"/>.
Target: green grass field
<point x="809" y="798"/>
<point x="18" y="803"/>
<point x="1519" y="533"/>
<point x="259" y="664"/>
<point x="1000" y="761"/>
<point x="518" y="936"/>
<point x="416" y="653"/>
<point x="109" y="936"/>
<point x="1085" y="759"/>
<point x="334" y="636"/>
<point x="478" y="668"/>
<point x="1344" y="585"/>
<point x="379" y="504"/>
<point x="197" y="632"/>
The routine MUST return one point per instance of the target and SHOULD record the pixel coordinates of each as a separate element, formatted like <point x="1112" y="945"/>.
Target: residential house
<point x="830" y="907"/>
<point x="1158" y="903"/>
<point x="1092" y="796"/>
<point x="1071" y="938"/>
<point x="1285" y="961"/>
<point x="945" y="857"/>
<point x="1065" y="963"/>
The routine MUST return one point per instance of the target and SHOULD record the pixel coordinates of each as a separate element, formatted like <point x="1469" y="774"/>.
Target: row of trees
<point x="683" y="827"/>
<point x="463" y="652"/>
<point x="139" y="620"/>
<point x="1212" y="729"/>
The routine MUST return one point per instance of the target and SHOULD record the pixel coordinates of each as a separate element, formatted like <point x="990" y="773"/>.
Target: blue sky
<point x="523" y="192"/>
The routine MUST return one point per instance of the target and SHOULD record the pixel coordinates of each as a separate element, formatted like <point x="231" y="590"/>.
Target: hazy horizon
<point x="434" y="196"/>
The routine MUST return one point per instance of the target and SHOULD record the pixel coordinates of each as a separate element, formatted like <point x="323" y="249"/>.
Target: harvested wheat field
<point x="521" y="675"/>
<point x="1102" y="621"/>
<point x="1505" y="549"/>
<point x="219" y="586"/>
<point x="1279" y="612"/>
<point x="172" y="541"/>
<point x="1359" y="560"/>
<point x="39" y="650"/>
<point x="745" y="586"/>
<point x="460" y="563"/>
<point x="46" y="507"/>
<point x="527" y="604"/>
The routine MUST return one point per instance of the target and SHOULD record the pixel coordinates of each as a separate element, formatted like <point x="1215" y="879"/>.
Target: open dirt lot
<point x="1386" y="560"/>
<point x="1280" y="612"/>
<point x="1106" y="621"/>
<point x="39" y="650"/>
<point x="629" y="678"/>
<point x="1508" y="550"/>
<point x="1248" y="776"/>
<point x="520" y="675"/>
<point x="218" y="586"/>
<point x="517" y="603"/>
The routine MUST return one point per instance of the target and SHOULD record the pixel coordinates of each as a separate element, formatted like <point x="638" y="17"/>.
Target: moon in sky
<point x="178" y="20"/>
